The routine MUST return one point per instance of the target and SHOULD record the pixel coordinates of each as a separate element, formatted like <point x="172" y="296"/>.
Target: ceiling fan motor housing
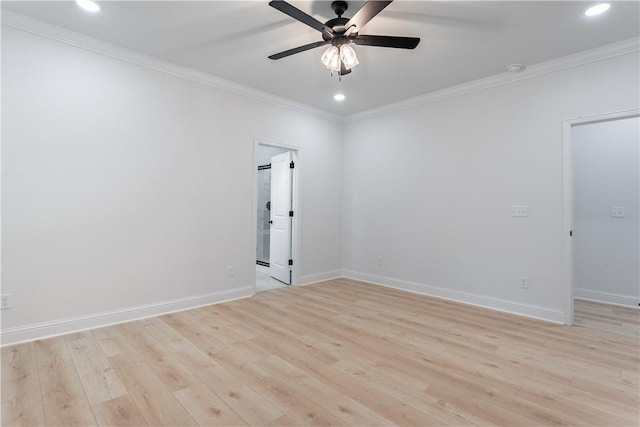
<point x="335" y="24"/>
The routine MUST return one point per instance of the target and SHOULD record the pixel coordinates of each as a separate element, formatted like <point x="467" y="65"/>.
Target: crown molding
<point x="585" y="57"/>
<point x="54" y="32"/>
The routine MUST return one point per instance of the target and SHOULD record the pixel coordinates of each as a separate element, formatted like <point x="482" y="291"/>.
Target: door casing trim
<point x="567" y="199"/>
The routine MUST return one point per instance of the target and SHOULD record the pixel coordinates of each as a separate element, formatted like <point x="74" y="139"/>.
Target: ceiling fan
<point x="341" y="32"/>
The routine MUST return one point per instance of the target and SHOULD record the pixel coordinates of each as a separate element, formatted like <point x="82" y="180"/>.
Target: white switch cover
<point x="5" y="301"/>
<point x="617" y="212"/>
<point x="519" y="210"/>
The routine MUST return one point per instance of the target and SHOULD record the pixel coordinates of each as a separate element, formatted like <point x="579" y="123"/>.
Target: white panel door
<point x="280" y="244"/>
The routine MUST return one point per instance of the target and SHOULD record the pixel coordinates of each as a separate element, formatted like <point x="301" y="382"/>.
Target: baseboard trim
<point x="54" y="328"/>
<point x="320" y="277"/>
<point x="497" y="304"/>
<point x="606" y="297"/>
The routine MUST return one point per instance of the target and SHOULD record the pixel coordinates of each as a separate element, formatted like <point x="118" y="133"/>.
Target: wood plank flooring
<point x="336" y="353"/>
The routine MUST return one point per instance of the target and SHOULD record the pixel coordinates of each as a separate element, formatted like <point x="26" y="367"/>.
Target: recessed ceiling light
<point x="339" y="97"/>
<point x="88" y="5"/>
<point x="597" y="9"/>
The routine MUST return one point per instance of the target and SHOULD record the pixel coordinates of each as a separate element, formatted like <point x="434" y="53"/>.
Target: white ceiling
<point x="461" y="41"/>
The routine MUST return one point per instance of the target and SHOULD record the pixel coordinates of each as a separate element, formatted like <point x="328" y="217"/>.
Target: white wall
<point x="429" y="188"/>
<point x="127" y="187"/>
<point x="606" y="174"/>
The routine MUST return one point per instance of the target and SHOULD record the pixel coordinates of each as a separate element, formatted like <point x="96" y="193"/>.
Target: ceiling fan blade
<point x="299" y="49"/>
<point x="366" y="14"/>
<point x="387" y="41"/>
<point x="299" y="15"/>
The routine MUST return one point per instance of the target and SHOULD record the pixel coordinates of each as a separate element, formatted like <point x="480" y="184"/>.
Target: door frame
<point x="567" y="193"/>
<point x="295" y="225"/>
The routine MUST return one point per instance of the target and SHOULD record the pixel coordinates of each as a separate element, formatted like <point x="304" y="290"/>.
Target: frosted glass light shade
<point x="348" y="56"/>
<point x="331" y="58"/>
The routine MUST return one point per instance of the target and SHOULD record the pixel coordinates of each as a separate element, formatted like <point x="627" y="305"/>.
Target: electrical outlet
<point x="5" y="301"/>
<point x="524" y="282"/>
<point x="230" y="272"/>
<point x="379" y="260"/>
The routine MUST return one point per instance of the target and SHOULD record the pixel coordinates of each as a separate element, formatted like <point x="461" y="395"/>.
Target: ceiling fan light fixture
<point x="339" y="97"/>
<point x="331" y="58"/>
<point x="348" y="56"/>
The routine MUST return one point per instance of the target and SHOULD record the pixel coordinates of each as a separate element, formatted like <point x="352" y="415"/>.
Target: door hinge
<point x="290" y="262"/>
<point x="291" y="165"/>
<point x="291" y="214"/>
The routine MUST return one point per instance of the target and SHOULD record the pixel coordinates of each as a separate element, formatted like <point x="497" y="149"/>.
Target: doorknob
<point x="270" y="222"/>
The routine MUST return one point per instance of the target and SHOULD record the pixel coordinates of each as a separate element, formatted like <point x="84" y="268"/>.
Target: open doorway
<point x="602" y="198"/>
<point x="275" y="215"/>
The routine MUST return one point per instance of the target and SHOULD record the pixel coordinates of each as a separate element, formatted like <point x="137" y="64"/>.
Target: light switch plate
<point x="617" y="211"/>
<point x="519" y="210"/>
<point x="5" y="301"/>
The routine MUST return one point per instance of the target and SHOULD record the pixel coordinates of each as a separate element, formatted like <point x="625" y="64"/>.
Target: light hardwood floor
<point x="336" y="353"/>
